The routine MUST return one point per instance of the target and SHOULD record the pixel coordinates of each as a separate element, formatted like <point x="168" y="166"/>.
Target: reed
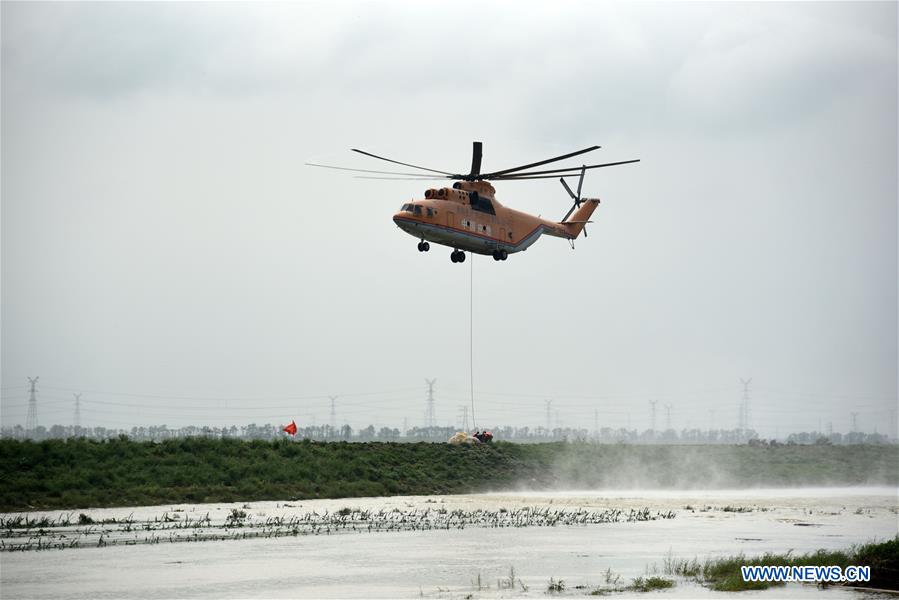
<point x="21" y="532"/>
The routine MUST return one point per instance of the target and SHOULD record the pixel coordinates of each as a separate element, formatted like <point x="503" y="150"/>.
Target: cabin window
<point x="430" y="211"/>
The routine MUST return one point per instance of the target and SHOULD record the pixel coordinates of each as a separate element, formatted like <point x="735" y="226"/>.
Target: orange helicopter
<point x="467" y="216"/>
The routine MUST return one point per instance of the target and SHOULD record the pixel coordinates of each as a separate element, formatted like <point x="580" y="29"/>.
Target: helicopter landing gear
<point x="500" y="255"/>
<point x="423" y="246"/>
<point x="457" y="256"/>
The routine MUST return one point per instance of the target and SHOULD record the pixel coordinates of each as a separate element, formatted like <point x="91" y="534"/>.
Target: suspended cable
<point x="474" y="419"/>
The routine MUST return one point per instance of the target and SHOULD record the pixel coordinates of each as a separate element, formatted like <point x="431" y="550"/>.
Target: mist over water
<point x="617" y="467"/>
<point x="811" y="493"/>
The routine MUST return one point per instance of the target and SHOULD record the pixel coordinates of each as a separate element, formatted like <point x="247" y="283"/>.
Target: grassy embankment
<point x="80" y="473"/>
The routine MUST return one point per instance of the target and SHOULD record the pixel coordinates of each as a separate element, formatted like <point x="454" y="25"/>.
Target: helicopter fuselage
<point x="468" y="217"/>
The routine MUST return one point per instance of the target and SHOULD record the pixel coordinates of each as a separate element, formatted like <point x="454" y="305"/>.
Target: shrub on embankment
<point x="79" y="473"/>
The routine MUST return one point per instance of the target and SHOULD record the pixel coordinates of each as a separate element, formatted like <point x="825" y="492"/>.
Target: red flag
<point x="292" y="428"/>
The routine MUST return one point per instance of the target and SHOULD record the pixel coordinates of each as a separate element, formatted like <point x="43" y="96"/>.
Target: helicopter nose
<point x="401" y="219"/>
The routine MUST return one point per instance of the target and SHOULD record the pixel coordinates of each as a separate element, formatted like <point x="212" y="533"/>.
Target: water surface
<point x="447" y="563"/>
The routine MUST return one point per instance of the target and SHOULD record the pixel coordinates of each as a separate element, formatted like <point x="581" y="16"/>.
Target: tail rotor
<point x="575" y="196"/>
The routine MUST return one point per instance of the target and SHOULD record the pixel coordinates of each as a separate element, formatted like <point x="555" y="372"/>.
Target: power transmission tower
<point x="652" y="428"/>
<point x="854" y="421"/>
<point x="667" y="417"/>
<point x="429" y="413"/>
<point x="744" y="406"/>
<point x="31" y="420"/>
<point x="77" y="422"/>
<point x="464" y="417"/>
<point x="595" y="423"/>
<point x="549" y="404"/>
<point x="333" y="415"/>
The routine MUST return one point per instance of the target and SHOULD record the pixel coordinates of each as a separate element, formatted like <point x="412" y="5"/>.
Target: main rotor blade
<point x="538" y="163"/>
<point x="362" y="170"/>
<point x="556" y="172"/>
<point x="398" y="162"/>
<point x="476" y="152"/>
<point x="400" y="178"/>
<point x="568" y="189"/>
<point x="580" y="181"/>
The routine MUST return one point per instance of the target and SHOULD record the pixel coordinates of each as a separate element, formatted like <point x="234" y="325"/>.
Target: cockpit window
<point x="417" y="210"/>
<point x="406" y="208"/>
<point x="480" y="203"/>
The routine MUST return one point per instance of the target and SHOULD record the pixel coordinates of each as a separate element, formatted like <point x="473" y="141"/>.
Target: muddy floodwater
<point x="500" y="545"/>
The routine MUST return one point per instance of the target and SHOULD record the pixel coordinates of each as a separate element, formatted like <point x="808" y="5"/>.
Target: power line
<point x="254" y="408"/>
<point x="229" y="398"/>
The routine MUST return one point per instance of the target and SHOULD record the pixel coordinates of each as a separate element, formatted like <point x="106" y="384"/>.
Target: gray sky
<point x="166" y="253"/>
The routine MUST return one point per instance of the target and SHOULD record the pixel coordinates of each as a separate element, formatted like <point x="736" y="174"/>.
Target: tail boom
<point x="574" y="225"/>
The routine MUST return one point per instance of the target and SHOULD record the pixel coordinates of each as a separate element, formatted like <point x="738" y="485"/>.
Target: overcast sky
<point x="166" y="253"/>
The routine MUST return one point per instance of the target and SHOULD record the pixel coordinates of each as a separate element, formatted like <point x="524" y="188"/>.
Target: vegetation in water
<point x="649" y="584"/>
<point x="724" y="574"/>
<point x="555" y="587"/>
